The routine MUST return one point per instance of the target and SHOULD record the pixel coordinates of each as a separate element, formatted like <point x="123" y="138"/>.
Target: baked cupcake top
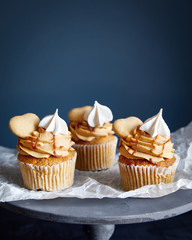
<point x="90" y="122"/>
<point x="41" y="139"/>
<point x="149" y="140"/>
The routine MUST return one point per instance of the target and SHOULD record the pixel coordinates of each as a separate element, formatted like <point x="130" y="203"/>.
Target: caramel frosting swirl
<point x="140" y="145"/>
<point x="42" y="144"/>
<point x="82" y="131"/>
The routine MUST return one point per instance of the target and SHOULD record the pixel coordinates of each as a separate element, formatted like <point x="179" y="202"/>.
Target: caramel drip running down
<point x="153" y="142"/>
<point x="137" y="141"/>
<point x="54" y="147"/>
<point x="164" y="146"/>
<point x="150" y="160"/>
<point x="34" y="143"/>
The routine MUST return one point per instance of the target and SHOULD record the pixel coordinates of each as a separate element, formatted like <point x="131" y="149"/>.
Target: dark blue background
<point x="133" y="56"/>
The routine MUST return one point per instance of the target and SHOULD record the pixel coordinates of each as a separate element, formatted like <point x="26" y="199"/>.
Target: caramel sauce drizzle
<point x="151" y="161"/>
<point x="163" y="147"/>
<point x="137" y="141"/>
<point x="152" y="144"/>
<point x="54" y="147"/>
<point x="154" y="141"/>
<point x="34" y="143"/>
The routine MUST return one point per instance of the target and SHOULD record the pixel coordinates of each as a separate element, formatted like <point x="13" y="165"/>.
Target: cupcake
<point x="46" y="158"/>
<point x="94" y="138"/>
<point x="146" y="152"/>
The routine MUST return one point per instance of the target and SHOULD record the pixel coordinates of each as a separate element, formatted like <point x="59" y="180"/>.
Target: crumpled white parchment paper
<point x="99" y="184"/>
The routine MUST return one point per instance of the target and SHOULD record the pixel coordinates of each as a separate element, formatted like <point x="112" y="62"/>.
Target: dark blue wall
<point x="133" y="56"/>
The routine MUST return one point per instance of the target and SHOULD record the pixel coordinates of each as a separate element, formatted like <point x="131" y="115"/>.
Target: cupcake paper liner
<point x="48" y="178"/>
<point x="133" y="177"/>
<point x="95" y="157"/>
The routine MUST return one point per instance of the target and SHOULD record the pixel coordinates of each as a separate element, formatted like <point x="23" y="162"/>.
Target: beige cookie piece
<point x="22" y="126"/>
<point x="76" y="114"/>
<point x="124" y="127"/>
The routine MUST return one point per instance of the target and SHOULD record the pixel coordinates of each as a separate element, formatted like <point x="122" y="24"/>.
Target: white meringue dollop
<point x="55" y="124"/>
<point x="156" y="126"/>
<point x="98" y="115"/>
